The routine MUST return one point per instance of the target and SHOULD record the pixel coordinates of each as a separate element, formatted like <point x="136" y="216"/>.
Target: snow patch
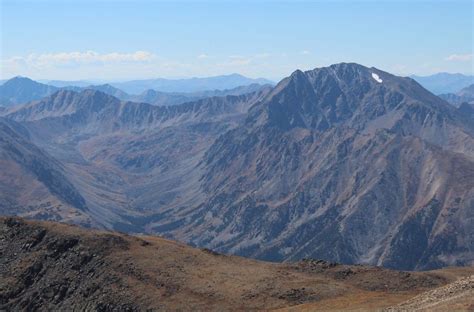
<point x="376" y="78"/>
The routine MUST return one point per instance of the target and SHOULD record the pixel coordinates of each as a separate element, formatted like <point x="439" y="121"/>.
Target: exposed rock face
<point x="344" y="163"/>
<point x="336" y="165"/>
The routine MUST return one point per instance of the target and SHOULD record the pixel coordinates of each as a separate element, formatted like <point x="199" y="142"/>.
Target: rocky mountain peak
<point x="345" y="92"/>
<point x="19" y="90"/>
<point x="19" y="80"/>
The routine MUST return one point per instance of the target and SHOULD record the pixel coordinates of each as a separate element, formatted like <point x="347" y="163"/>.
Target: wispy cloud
<point x="203" y="56"/>
<point x="305" y="52"/>
<point x="237" y="60"/>
<point x="79" y="58"/>
<point x="459" y="57"/>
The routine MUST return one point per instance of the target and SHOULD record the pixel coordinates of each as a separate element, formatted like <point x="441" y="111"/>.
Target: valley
<point x="330" y="164"/>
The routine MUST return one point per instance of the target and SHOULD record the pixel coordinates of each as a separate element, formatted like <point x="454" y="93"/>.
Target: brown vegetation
<point x="46" y="266"/>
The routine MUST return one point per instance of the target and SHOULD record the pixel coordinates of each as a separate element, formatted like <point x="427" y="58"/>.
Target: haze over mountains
<point x="189" y="85"/>
<point x="20" y="90"/>
<point x="182" y="85"/>
<point x="465" y="95"/>
<point x="444" y="82"/>
<point x="175" y="91"/>
<point x="343" y="163"/>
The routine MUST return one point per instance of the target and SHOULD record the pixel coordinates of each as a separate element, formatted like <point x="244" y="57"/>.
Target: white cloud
<point x="140" y="65"/>
<point x="305" y="52"/>
<point x="459" y="57"/>
<point x="79" y="58"/>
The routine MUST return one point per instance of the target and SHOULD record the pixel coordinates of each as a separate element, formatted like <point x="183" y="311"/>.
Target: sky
<point x="120" y="39"/>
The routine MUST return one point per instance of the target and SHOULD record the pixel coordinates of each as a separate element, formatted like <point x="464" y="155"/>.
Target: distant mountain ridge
<point x="69" y="83"/>
<point x="21" y="90"/>
<point x="444" y="82"/>
<point x="465" y="95"/>
<point x="189" y="85"/>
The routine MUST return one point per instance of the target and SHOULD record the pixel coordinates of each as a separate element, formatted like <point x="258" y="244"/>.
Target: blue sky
<point x="120" y="39"/>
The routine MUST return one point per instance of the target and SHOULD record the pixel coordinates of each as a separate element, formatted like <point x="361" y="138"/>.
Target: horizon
<point x="128" y="80"/>
<point x="107" y="81"/>
<point x="137" y="40"/>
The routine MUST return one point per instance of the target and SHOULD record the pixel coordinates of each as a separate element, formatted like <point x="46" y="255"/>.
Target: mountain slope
<point x="329" y="152"/>
<point x="54" y="266"/>
<point x="33" y="183"/>
<point x="119" y="153"/>
<point x="344" y="163"/>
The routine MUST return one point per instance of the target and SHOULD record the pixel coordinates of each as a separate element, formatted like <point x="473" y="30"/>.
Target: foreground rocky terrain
<point x="456" y="296"/>
<point x="52" y="266"/>
<point x="344" y="163"/>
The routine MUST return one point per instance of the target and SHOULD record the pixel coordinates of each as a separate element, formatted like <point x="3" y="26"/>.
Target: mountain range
<point x="183" y="85"/>
<point x="189" y="85"/>
<point x="465" y="95"/>
<point x="343" y="163"/>
<point x="20" y="90"/>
